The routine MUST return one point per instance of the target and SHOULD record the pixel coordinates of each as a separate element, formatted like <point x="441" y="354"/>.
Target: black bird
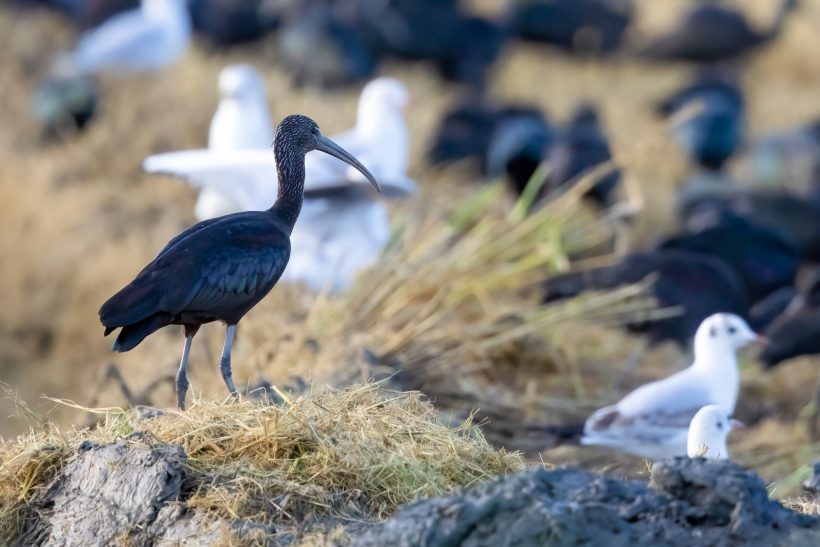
<point x="796" y="219"/>
<point x="580" y="148"/>
<point x="712" y="134"/>
<point x="711" y="33"/>
<point x="476" y="44"/>
<point x="797" y="330"/>
<point x="219" y="269"/>
<point x="518" y="146"/>
<point x="761" y="258"/>
<point x="466" y="130"/>
<point x="696" y="284"/>
<point x="578" y="26"/>
<point x="229" y="22"/>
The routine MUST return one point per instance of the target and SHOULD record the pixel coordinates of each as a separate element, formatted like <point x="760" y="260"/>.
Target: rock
<point x="688" y="502"/>
<point x="127" y="492"/>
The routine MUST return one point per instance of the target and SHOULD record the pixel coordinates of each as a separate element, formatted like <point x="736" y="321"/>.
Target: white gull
<point x="708" y="431"/>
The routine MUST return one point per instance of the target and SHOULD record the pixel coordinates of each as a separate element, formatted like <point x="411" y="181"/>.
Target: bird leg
<point x="225" y="362"/>
<point x="182" y="374"/>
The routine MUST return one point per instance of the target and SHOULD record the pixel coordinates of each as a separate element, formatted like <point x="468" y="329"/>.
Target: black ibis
<point x="713" y="132"/>
<point x="696" y="284"/>
<point x="578" y="26"/>
<point x="580" y="148"/>
<point x="219" y="269"/>
<point x="712" y="33"/>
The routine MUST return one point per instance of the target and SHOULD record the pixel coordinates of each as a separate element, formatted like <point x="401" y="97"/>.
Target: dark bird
<point x="219" y="269"/>
<point x="713" y="132"/>
<point x="697" y="285"/>
<point x="580" y="148"/>
<point x="761" y="258"/>
<point x="795" y="218"/>
<point x="475" y="46"/>
<point x="64" y="103"/>
<point x="229" y="22"/>
<point x="797" y="330"/>
<point x="466" y="130"/>
<point x="712" y="33"/>
<point x="579" y="26"/>
<point x="518" y="146"/>
<point x="320" y="45"/>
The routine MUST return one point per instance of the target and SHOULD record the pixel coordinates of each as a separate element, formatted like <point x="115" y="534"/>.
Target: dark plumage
<point x="475" y="46"/>
<point x="219" y="269"/>
<point x="64" y="103"/>
<point x="797" y="330"/>
<point x="761" y="258"/>
<point x="518" y="146"/>
<point x="579" y="26"/>
<point x="712" y="33"/>
<point x="792" y="217"/>
<point x="466" y="130"/>
<point x="580" y="148"/>
<point x="712" y="134"/>
<point x="698" y="285"/>
<point x="229" y="22"/>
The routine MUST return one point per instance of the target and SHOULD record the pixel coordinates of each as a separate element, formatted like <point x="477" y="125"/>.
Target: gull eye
<point x="713" y="332"/>
<point x="720" y="425"/>
<point x="732" y="330"/>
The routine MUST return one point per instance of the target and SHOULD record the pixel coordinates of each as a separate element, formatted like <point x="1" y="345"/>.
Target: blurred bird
<point x="790" y="159"/>
<point x="794" y="218"/>
<point x="579" y="26"/>
<point x="230" y="22"/>
<point x="581" y="147"/>
<point x="65" y="102"/>
<point x="653" y="421"/>
<point x="714" y="131"/>
<point x="712" y="33"/>
<point x="519" y="144"/>
<point x="149" y="38"/>
<point x="708" y="431"/>
<point x="220" y="268"/>
<point x="696" y="285"/>
<point x="235" y="175"/>
<point x="797" y="330"/>
<point x="475" y="46"/>
<point x="318" y="46"/>
<point x="761" y="258"/>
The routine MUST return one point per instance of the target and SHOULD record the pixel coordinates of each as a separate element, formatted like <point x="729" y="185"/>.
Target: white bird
<point x="708" y="431"/>
<point x="653" y="421"/>
<point x="330" y="243"/>
<point x="149" y="38"/>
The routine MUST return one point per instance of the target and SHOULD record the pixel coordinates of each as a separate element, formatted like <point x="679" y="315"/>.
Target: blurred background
<point x="80" y="217"/>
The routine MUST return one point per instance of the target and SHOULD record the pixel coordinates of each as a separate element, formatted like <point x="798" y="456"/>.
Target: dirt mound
<point x="687" y="502"/>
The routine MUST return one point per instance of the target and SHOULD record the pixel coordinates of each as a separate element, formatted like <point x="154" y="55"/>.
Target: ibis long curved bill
<point x="329" y="147"/>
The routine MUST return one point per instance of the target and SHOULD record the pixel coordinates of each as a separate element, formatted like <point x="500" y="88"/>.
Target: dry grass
<point x="354" y="453"/>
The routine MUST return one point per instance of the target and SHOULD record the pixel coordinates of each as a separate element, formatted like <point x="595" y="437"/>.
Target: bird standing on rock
<point x="219" y="269"/>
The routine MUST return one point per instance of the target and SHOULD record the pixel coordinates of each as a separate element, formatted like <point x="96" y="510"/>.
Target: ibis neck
<point x="291" y="173"/>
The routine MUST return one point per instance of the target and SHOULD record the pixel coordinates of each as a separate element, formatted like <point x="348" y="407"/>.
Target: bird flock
<point x="742" y="259"/>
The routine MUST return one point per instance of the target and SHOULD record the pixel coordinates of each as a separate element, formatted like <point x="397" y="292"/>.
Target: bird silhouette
<point x="219" y="269"/>
<point x="712" y="33"/>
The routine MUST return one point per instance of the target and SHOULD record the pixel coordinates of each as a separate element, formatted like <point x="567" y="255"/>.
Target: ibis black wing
<point x="216" y="269"/>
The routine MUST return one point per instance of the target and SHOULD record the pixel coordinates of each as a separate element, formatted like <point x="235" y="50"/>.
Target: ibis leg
<point x="225" y="362"/>
<point x="182" y="373"/>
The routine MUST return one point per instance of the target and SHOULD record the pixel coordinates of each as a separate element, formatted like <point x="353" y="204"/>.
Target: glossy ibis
<point x="712" y="33"/>
<point x="653" y="420"/>
<point x="219" y="269"/>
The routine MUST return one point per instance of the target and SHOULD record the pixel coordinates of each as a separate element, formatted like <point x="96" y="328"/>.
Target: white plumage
<point x="149" y="38"/>
<point x="707" y="433"/>
<point x="653" y="421"/>
<point x="340" y="230"/>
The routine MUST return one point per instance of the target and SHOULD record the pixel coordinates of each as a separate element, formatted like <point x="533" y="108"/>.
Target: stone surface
<point x="688" y="502"/>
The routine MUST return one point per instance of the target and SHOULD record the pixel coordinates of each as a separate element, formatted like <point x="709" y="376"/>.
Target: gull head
<point x="724" y="331"/>
<point x="708" y="431"/>
<point x="385" y="93"/>
<point x="241" y="82"/>
<point x="297" y="135"/>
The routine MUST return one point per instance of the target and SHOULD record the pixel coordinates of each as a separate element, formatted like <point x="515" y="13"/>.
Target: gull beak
<point x="737" y="424"/>
<point x="331" y="148"/>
